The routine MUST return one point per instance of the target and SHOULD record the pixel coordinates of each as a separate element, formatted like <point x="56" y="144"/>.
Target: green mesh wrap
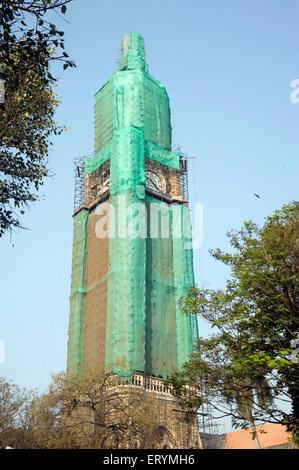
<point x="145" y="329"/>
<point x="78" y="294"/>
<point x="132" y="98"/>
<point x="127" y="259"/>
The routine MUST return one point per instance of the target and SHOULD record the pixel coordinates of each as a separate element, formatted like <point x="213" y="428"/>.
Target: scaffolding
<point x="183" y="423"/>
<point x="92" y="186"/>
<point x="212" y="434"/>
<point x="89" y="188"/>
<point x="98" y="183"/>
<point x="79" y="182"/>
<point x="184" y="177"/>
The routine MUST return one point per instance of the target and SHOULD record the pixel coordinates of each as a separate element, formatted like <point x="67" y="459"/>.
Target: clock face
<point x="153" y="181"/>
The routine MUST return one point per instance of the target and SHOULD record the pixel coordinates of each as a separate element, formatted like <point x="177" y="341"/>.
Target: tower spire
<point x="133" y="53"/>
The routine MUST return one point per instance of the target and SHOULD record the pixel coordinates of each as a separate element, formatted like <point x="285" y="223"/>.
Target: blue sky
<point x="227" y="67"/>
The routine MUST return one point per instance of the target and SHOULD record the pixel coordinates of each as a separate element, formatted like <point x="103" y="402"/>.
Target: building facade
<point x="132" y="246"/>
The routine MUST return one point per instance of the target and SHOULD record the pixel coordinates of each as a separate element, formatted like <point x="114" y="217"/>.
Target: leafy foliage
<point x="97" y="412"/>
<point x="28" y="45"/>
<point x="14" y="414"/>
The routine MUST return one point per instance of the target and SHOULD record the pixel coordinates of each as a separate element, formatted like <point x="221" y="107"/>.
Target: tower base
<point x="178" y="428"/>
<point x="106" y="412"/>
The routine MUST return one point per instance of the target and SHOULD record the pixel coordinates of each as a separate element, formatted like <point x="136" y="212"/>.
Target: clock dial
<point x="153" y="181"/>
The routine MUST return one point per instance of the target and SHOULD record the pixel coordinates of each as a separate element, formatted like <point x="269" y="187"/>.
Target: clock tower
<point x="132" y="248"/>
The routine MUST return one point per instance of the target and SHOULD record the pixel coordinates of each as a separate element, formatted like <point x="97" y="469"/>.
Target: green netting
<point x="166" y="157"/>
<point x="132" y="98"/>
<point x="78" y="295"/>
<point x="184" y="338"/>
<point x="91" y="164"/>
<point x="133" y="53"/>
<point x="125" y="333"/>
<point x="145" y="328"/>
<point x="161" y="345"/>
<point x="127" y="165"/>
<point x="127" y="257"/>
<point x="189" y="272"/>
<point x="104" y="111"/>
<point x="152" y="151"/>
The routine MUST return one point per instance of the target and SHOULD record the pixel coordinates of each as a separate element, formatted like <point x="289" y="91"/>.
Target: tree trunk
<point x="256" y="439"/>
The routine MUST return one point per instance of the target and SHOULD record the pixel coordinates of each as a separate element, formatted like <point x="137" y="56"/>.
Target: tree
<point x="28" y="45"/>
<point x="95" y="412"/>
<point x="248" y="369"/>
<point x="14" y="414"/>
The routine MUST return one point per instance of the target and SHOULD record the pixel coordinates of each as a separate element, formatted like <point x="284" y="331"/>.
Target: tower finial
<point x="133" y="53"/>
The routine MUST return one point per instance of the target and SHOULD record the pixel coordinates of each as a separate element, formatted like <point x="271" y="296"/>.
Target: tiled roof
<point x="269" y="434"/>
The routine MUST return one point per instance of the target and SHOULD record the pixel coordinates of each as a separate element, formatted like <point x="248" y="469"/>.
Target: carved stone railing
<point x="152" y="384"/>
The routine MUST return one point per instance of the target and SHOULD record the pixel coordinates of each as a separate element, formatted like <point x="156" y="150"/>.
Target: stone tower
<point x="132" y="255"/>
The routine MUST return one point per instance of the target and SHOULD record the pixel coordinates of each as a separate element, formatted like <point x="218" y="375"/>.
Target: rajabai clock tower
<point x="132" y="251"/>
